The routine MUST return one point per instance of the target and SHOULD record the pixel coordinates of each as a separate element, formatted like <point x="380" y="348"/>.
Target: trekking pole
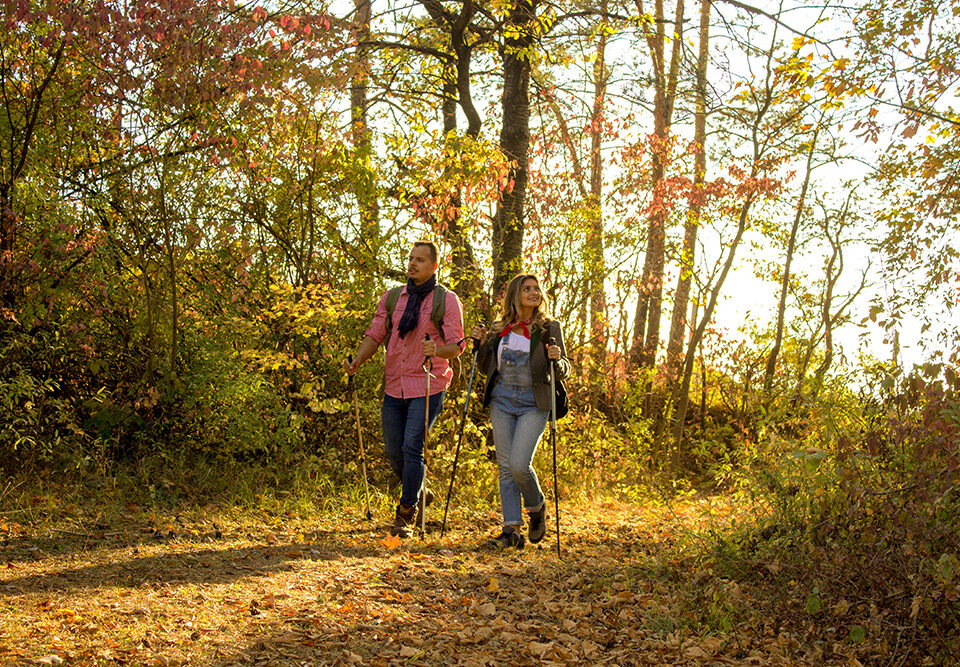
<point x="427" y="367"/>
<point x="456" y="456"/>
<point x="352" y="388"/>
<point x="553" y="440"/>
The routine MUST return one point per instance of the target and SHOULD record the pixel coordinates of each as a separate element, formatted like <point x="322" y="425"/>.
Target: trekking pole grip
<point x="552" y="341"/>
<point x="476" y="341"/>
<point x="427" y="361"/>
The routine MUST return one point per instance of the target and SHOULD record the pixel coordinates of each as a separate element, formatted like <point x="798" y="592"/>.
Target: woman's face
<point x="530" y="295"/>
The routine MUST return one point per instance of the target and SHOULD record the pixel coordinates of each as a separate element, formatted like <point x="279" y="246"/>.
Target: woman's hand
<point x="479" y="334"/>
<point x="429" y="347"/>
<point x="553" y="352"/>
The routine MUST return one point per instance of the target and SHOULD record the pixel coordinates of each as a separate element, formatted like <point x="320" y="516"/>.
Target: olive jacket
<point x="540" y="366"/>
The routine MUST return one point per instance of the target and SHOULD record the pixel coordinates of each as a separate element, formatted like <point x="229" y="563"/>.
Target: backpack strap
<point x="439" y="306"/>
<point x="392" y="297"/>
<point x="437" y="312"/>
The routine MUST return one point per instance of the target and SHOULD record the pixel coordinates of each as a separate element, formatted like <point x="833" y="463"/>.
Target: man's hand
<point x="429" y="348"/>
<point x="351" y="365"/>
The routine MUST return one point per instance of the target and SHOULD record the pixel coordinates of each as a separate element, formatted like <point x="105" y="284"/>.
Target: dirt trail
<point x="289" y="593"/>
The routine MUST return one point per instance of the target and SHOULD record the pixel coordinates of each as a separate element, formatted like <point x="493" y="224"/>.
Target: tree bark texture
<point x="678" y="323"/>
<point x="465" y="275"/>
<point x="595" y="263"/>
<point x="646" y="332"/>
<point x="514" y="142"/>
<point x="366" y="192"/>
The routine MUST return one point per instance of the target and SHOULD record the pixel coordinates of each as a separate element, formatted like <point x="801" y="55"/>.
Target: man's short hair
<point x="434" y="252"/>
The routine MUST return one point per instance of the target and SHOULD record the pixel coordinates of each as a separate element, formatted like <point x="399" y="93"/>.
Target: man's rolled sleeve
<point x="453" y="322"/>
<point x="378" y="327"/>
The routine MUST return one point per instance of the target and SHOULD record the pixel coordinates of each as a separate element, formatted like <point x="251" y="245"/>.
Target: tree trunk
<point x="169" y="241"/>
<point x="832" y="275"/>
<point x="678" y="323"/>
<point x="681" y="396"/>
<point x="785" y="279"/>
<point x="595" y="263"/>
<point x="13" y="161"/>
<point x="647" y="322"/>
<point x="514" y="142"/>
<point x="8" y="235"/>
<point x="465" y="277"/>
<point x="365" y="186"/>
<point x="8" y="227"/>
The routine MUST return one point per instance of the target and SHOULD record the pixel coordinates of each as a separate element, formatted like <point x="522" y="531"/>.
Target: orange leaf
<point x="391" y="542"/>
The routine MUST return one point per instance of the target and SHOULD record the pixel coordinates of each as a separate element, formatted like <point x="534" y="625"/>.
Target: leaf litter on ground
<point x="292" y="590"/>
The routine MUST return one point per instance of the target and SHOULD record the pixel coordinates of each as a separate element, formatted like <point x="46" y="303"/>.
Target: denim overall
<point x="517" y="426"/>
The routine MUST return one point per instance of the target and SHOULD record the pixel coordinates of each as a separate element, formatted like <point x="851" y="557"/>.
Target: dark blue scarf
<point x="415" y="295"/>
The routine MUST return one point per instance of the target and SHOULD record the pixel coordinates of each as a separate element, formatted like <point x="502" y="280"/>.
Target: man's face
<point x="419" y="264"/>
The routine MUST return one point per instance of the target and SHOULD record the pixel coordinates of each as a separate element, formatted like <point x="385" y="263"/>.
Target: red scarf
<point x="513" y="325"/>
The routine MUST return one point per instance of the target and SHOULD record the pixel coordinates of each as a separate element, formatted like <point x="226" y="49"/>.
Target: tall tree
<point x="646" y="328"/>
<point x="761" y="123"/>
<point x="681" y="303"/>
<point x="771" y="365"/>
<point x="365" y="184"/>
<point x="521" y="31"/>
<point x="594" y="255"/>
<point x="575" y="131"/>
<point x="465" y="275"/>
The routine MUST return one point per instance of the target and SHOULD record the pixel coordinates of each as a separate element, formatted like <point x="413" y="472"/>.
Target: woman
<point x="517" y="359"/>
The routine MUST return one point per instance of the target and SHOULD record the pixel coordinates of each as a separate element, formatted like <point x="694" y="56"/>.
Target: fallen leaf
<point x="538" y="649"/>
<point x="391" y="542"/>
<point x="915" y="606"/>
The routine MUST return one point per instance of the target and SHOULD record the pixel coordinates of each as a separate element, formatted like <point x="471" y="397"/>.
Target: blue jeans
<point x="403" y="440"/>
<point x="517" y="426"/>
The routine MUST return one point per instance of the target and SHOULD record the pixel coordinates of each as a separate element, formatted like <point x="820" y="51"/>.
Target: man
<point x="407" y="320"/>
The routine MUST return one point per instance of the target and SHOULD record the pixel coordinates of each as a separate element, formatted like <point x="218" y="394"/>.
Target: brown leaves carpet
<point x="281" y="590"/>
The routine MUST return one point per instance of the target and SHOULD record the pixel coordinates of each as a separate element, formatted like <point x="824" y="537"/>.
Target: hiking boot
<point x="403" y="521"/>
<point x="510" y="537"/>
<point x="538" y="524"/>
